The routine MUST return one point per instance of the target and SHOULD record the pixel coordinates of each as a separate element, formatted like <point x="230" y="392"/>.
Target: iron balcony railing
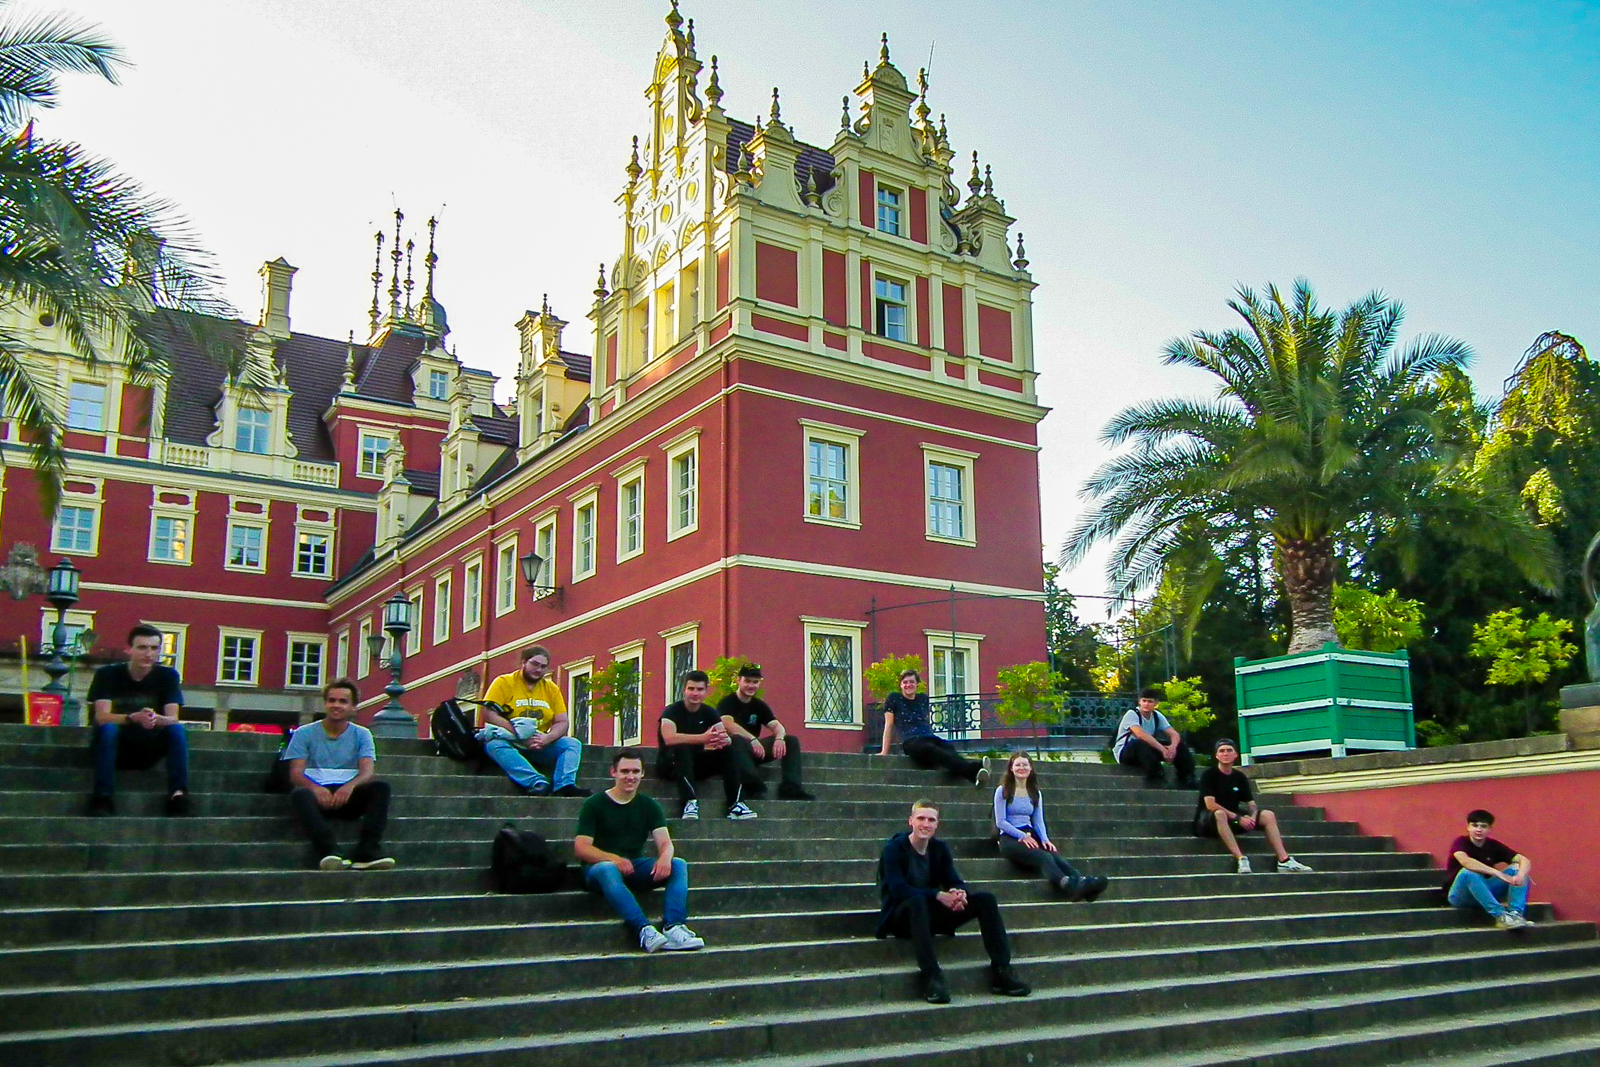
<point x="968" y="720"/>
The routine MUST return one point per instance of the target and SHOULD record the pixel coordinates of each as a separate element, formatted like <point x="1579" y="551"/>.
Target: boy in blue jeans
<point x="1485" y="873"/>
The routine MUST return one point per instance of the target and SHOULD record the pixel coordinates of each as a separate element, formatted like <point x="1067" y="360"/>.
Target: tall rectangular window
<point x="253" y="432"/>
<point x="86" y="407"/>
<point x="544" y="543"/>
<point x="438" y="384"/>
<point x="305" y="662"/>
<point x="827" y="479"/>
<point x="472" y="594"/>
<point x="680" y="661"/>
<point x="245" y="547"/>
<point x="630" y="514"/>
<point x="686" y="491"/>
<point x="374" y="447"/>
<point x="363" y="649"/>
<point x="311" y="554"/>
<point x="414" y="635"/>
<point x="583" y="539"/>
<point x="505" y="577"/>
<point x="237" y="658"/>
<point x="578" y="704"/>
<point x="945" y="501"/>
<point x="832" y="682"/>
<point x="889" y="210"/>
<point x="441" y="608"/>
<point x="74" y="530"/>
<point x="889" y="309"/>
<point x="341" y="656"/>
<point x="169" y="539"/>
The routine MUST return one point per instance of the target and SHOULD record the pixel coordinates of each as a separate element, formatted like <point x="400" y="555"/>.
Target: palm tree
<point x="81" y="246"/>
<point x="1322" y="432"/>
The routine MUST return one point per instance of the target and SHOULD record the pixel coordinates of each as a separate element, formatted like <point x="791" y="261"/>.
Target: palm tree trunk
<point x="1307" y="569"/>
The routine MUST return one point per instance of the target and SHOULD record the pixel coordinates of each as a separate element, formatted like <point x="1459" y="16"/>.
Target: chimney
<point x="276" y="279"/>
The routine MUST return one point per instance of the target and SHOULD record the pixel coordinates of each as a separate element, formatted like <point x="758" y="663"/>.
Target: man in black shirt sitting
<point x="752" y="726"/>
<point x="1227" y="808"/>
<point x="136" y="725"/>
<point x="695" y="745"/>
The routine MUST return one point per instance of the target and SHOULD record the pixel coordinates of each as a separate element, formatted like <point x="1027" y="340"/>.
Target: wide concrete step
<point x="846" y="1010"/>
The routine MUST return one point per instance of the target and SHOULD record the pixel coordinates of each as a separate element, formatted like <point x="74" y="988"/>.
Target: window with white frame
<point x="374" y="447"/>
<point x="441" y="608"/>
<point x="341" y="655"/>
<point x="833" y="672"/>
<point x="438" y="384"/>
<point x="86" y="407"/>
<point x="680" y="659"/>
<point x="948" y="481"/>
<point x="174" y="636"/>
<point x="952" y="663"/>
<point x="238" y="656"/>
<point x="253" y="431"/>
<point x="578" y="700"/>
<point x="414" y="635"/>
<point x="472" y="593"/>
<point x="247" y="546"/>
<point x="75" y="530"/>
<point x="544" y="543"/>
<point x="630" y="722"/>
<point x="313" y="553"/>
<point x="169" y="539"/>
<point x="307" y="656"/>
<point x="584" y="519"/>
<point x="889" y="210"/>
<point x="833" y="483"/>
<point x="683" y="484"/>
<point x="630" y="511"/>
<point x="363" y="649"/>
<point x="505" y="576"/>
<point x="889" y="309"/>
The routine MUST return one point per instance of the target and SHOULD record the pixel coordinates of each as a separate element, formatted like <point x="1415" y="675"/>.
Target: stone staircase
<point x="148" y="941"/>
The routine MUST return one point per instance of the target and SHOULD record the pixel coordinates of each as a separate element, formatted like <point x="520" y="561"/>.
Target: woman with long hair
<point x="1024" y="839"/>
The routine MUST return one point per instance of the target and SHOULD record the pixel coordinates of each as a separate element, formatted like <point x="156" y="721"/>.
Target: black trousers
<point x="1138" y="754"/>
<point x="1049" y="865"/>
<point x="369" y="803"/>
<point x="936" y="753"/>
<point x="919" y="918"/>
<point x="684" y="765"/>
<point x="791" y="757"/>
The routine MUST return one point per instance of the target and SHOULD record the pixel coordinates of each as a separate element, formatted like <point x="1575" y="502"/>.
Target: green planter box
<point x="1334" y="700"/>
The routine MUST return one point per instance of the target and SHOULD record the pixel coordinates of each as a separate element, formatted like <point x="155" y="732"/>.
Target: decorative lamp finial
<point x="866" y="70"/>
<point x="349" y="385"/>
<point x="432" y="260"/>
<point x="944" y="135"/>
<point x="883" y="49"/>
<point x="633" y="168"/>
<point x="975" y="183"/>
<point x="714" y="87"/>
<point x="689" y="37"/>
<point x="600" y="285"/>
<point x="409" y="283"/>
<point x="844" y="119"/>
<point x="988" y="180"/>
<point x="395" y="255"/>
<point x="545" y="308"/>
<point x="1021" y="262"/>
<point x="776" y="111"/>
<point x="375" y="314"/>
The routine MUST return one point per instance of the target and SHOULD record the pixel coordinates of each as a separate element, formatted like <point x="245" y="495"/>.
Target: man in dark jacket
<point x="922" y="895"/>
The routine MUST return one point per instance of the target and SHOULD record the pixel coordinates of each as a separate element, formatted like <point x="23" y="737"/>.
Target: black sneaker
<point x="178" y="804"/>
<point x="793" y="792"/>
<point x="934" y="991"/>
<point x="573" y="791"/>
<point x="1004" y="981"/>
<point x="99" y="805"/>
<point x="1094" y="885"/>
<point x="754" y="791"/>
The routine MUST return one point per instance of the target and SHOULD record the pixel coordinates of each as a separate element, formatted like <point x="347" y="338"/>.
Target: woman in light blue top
<point x="1024" y="838"/>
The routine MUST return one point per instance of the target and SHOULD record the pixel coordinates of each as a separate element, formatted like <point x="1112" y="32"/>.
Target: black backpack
<point x="277" y="779"/>
<point x="453" y="733"/>
<point x="520" y="862"/>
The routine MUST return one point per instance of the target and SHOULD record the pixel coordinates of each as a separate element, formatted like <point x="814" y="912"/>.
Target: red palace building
<point x="805" y="437"/>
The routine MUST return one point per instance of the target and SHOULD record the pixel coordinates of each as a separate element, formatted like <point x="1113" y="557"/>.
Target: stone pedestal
<point x="1580" y="714"/>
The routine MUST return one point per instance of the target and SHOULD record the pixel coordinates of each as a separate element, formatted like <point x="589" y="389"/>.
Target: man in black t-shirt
<point x="1485" y="873"/>
<point x="136" y="725"/>
<point x="695" y="745"/>
<point x="1227" y="807"/>
<point x="752" y="726"/>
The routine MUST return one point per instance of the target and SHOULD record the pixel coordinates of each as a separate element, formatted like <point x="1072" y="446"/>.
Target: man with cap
<point x="1227" y="808"/>
<point x="751" y="725"/>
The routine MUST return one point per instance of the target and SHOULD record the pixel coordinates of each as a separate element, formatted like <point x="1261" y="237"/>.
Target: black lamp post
<point x="394" y="720"/>
<point x="61" y="589"/>
<point x="533" y="566"/>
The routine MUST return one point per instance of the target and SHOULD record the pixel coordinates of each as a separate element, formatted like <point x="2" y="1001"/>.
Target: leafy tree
<point x="1522" y="652"/>
<point x="724" y="675"/>
<point x="79" y="243"/>
<point x="1186" y="706"/>
<point x="1321" y="435"/>
<point x="1029" y="693"/>
<point x="1374" y="622"/>
<point x="883" y="677"/>
<point x="1073" y="644"/>
<point x="614" y="689"/>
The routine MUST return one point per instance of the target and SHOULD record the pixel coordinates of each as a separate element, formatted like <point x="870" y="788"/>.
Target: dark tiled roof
<point x="577" y="420"/>
<point x="424" y="482"/>
<point x="384" y="373"/>
<point x="579" y="368"/>
<point x="814" y="159"/>
<point x="498" y="428"/>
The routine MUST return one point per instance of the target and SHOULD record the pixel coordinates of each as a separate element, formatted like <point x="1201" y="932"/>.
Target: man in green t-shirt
<point x="613" y="826"/>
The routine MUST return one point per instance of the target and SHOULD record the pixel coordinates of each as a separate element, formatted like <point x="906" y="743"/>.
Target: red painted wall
<point x="835" y="303"/>
<point x="955" y="329"/>
<point x="1548" y="818"/>
<point x="924" y="335"/>
<point x="777" y="275"/>
<point x="919" y="216"/>
<point x="994" y="333"/>
<point x="868" y="191"/>
<point x="722" y="278"/>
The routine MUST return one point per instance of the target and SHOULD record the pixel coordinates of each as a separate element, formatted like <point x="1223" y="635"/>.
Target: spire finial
<point x="714" y="87"/>
<point x="975" y="183"/>
<point x="395" y="255"/>
<point x="844" y="119"/>
<point x="432" y="260"/>
<point x="988" y="180"/>
<point x="375" y="314"/>
<point x="674" y="20"/>
<point x="776" y="111"/>
<point x="944" y="135"/>
<point x="349" y="385"/>
<point x="808" y="192"/>
<point x="883" y="49"/>
<point x="744" y="159"/>
<point x="689" y="37"/>
<point x="409" y="283"/>
<point x="866" y="70"/>
<point x="545" y="308"/>
<point x="1021" y="262"/>
<point x="633" y="168"/>
<point x="923" y="110"/>
<point x="600" y="285"/>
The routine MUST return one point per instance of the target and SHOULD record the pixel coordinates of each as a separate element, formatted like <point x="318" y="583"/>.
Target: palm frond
<point x="35" y="50"/>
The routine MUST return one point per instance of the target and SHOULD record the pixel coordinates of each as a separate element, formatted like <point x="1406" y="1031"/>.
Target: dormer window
<point x="889" y="309"/>
<point x="889" y="210"/>
<point x="374" y="447"/>
<point x="86" y="407"/>
<point x="438" y="384"/>
<point x="254" y="431"/>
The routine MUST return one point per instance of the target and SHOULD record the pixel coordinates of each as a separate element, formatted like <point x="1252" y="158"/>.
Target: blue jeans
<point x="131" y="746"/>
<point x="563" y="754"/>
<point x="613" y="884"/>
<point x="1471" y="888"/>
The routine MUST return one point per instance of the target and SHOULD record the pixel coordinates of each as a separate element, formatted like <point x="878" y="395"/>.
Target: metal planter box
<point x="1334" y="700"/>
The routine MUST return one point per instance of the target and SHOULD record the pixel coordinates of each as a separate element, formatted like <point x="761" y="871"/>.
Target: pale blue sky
<point x="1155" y="154"/>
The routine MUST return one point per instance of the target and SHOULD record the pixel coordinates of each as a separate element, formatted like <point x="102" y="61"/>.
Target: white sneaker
<point x="333" y="863"/>
<point x="740" y="811"/>
<point x="1293" y="866"/>
<point x="691" y="810"/>
<point x="382" y="863"/>
<point x="1510" y="920"/>
<point x="652" y="940"/>
<point x="1244" y="865"/>
<point x="682" y="939"/>
<point x="981" y="778"/>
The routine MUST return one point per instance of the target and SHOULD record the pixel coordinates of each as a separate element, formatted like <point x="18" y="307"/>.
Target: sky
<point x="1157" y="155"/>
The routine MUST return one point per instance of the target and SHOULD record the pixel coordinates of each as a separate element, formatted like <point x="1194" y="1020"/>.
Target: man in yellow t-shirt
<point x="526" y="706"/>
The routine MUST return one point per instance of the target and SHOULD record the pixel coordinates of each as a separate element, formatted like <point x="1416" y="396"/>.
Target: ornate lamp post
<point x="394" y="720"/>
<point x="533" y="566"/>
<point x="61" y="589"/>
